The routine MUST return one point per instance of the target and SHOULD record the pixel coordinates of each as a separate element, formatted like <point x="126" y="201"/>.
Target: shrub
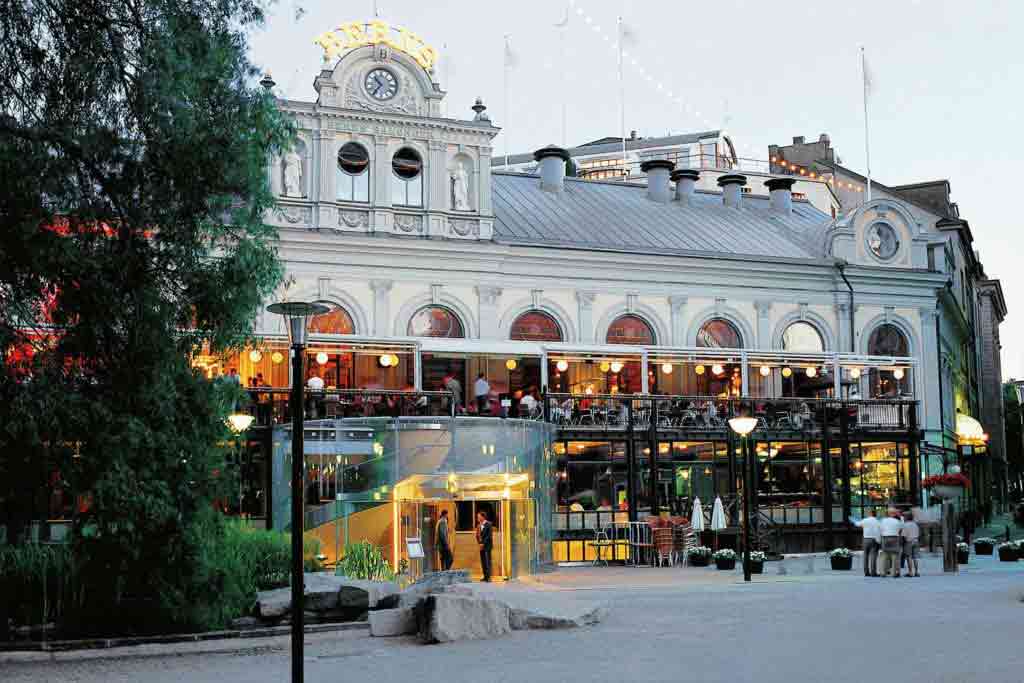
<point x="840" y="552"/>
<point x="757" y="556"/>
<point x="724" y="554"/>
<point x="985" y="540"/>
<point x="699" y="551"/>
<point x="37" y="583"/>
<point x="363" y="560"/>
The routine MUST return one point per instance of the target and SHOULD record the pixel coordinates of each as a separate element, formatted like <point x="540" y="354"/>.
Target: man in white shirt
<point x="911" y="538"/>
<point x="481" y="393"/>
<point x="892" y="527"/>
<point x="872" y="542"/>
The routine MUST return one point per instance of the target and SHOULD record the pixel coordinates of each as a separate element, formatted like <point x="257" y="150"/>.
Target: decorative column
<point x="438" y="192"/>
<point x="677" y="310"/>
<point x="324" y="172"/>
<point x="925" y="375"/>
<point x="381" y="307"/>
<point x="484" y="182"/>
<point x="487" y="312"/>
<point x="381" y="190"/>
<point x="764" y="330"/>
<point x="843" y="325"/>
<point x="585" y="301"/>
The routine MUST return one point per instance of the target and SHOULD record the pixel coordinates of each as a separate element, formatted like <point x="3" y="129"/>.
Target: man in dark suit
<point x="442" y="539"/>
<point x="485" y="539"/>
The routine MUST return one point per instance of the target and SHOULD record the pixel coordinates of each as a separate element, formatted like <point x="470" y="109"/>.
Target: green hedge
<point x="41" y="583"/>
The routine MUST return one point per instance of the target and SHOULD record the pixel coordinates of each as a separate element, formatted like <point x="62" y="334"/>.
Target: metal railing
<point x="614" y="169"/>
<point x="273" y="405"/>
<point x="602" y="413"/>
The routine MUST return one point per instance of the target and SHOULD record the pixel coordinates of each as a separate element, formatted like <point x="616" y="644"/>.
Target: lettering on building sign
<point x="356" y="34"/>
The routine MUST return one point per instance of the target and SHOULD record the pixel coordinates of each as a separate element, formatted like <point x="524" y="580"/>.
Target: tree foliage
<point x="133" y="147"/>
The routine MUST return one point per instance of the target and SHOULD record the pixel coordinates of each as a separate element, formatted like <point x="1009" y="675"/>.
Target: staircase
<point x="767" y="537"/>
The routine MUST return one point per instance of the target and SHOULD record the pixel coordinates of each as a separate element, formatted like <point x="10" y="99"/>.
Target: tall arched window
<point x="407" y="178"/>
<point x="335" y="321"/>
<point x="719" y="333"/>
<point x="536" y="326"/>
<point x="802" y="336"/>
<point x="353" y="173"/>
<point x="630" y="329"/>
<point x="435" y="321"/>
<point x="889" y="340"/>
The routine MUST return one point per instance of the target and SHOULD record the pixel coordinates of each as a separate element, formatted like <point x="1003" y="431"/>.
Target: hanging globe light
<point x="511" y="364"/>
<point x="786" y="372"/>
<point x="812" y="371"/>
<point x="394" y="361"/>
<point x="666" y="368"/>
<point x="321" y="358"/>
<point x="717" y="369"/>
<point x="855" y="373"/>
<point x="562" y="365"/>
<point x="616" y="366"/>
<point x="765" y="371"/>
<point x="255" y="355"/>
<point x="384" y="360"/>
<point x="898" y="373"/>
<point x="277" y="357"/>
<point x="605" y="366"/>
<point x="699" y="369"/>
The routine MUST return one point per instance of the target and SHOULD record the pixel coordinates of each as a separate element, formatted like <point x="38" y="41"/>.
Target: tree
<point x="133" y="146"/>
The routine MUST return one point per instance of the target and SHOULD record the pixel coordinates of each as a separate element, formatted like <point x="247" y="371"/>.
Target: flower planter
<point x="947" y="492"/>
<point x="699" y="561"/>
<point x="756" y="567"/>
<point x="724" y="564"/>
<point x="1007" y="555"/>
<point x="842" y="564"/>
<point x="983" y="548"/>
<point x="963" y="556"/>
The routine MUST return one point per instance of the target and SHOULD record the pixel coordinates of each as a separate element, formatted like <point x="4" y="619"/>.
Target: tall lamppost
<point x="297" y="315"/>
<point x="743" y="426"/>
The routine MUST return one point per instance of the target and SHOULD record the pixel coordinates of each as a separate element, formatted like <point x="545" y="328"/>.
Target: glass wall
<point x="879" y="475"/>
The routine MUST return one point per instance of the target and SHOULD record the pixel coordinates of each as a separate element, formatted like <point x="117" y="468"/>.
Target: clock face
<point x="381" y="84"/>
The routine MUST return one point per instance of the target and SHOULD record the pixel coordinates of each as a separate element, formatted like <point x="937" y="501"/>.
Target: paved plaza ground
<point x="667" y="624"/>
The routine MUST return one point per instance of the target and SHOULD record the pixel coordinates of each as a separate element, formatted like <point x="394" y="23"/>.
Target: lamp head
<point x="297" y="313"/>
<point x="239" y="422"/>
<point x="743" y="425"/>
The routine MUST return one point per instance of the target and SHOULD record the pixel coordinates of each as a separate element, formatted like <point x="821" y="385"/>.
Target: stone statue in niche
<point x="293" y="174"/>
<point x="460" y="188"/>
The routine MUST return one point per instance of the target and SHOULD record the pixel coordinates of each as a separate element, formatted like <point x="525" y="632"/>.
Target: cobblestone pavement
<point x="667" y="624"/>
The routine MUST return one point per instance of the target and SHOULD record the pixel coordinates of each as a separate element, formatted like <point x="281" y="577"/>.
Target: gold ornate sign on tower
<point x="356" y="34"/>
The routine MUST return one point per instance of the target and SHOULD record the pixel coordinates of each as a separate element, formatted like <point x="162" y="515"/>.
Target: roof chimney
<point x="657" y="171"/>
<point x="632" y="135"/>
<point x="781" y="190"/>
<point x="686" y="182"/>
<point x="552" y="167"/>
<point x="732" y="188"/>
<point x="798" y="139"/>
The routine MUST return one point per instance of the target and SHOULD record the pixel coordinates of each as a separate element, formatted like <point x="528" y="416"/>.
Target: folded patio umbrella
<point x="697" y="518"/>
<point x="717" y="518"/>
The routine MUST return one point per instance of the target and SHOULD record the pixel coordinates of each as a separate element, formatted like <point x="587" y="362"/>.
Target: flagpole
<point x="867" y="142"/>
<point x="622" y="103"/>
<point x="565" y="78"/>
<point x="508" y="116"/>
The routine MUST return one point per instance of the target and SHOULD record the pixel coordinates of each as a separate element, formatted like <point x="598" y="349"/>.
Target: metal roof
<point x="619" y="216"/>
<point x="598" y="147"/>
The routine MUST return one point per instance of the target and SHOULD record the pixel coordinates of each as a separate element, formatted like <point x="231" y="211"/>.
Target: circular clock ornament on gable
<point x="882" y="241"/>
<point x="381" y="84"/>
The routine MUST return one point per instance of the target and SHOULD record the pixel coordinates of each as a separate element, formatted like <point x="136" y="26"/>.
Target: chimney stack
<point x="657" y="171"/>
<point x="552" y="161"/>
<point x="732" y="188"/>
<point x="781" y="190"/>
<point x="686" y="183"/>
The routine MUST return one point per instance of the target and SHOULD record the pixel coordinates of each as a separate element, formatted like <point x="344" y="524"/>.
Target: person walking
<point x="911" y="540"/>
<point x="481" y="393"/>
<point x="872" y="542"/>
<point x="455" y="387"/>
<point x="443" y="541"/>
<point x="892" y="527"/>
<point x="485" y="539"/>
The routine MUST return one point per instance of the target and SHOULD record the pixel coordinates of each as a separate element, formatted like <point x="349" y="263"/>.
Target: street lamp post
<point x="743" y="426"/>
<point x="297" y="315"/>
<point x="238" y="423"/>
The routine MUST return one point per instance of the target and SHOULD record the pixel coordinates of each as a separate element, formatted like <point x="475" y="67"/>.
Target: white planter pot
<point x="946" y="492"/>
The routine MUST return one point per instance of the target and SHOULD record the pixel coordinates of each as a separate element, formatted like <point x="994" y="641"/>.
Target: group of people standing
<point x="889" y="543"/>
<point x="484" y="532"/>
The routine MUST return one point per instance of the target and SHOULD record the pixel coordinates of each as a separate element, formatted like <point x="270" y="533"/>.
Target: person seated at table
<point x="605" y="506"/>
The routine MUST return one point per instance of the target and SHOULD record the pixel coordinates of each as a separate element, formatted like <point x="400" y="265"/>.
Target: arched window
<point x="407" y="178"/>
<point x="889" y="340"/>
<point x="801" y="336"/>
<point x="718" y="333"/>
<point x="536" y="326"/>
<point x="630" y="329"/>
<point x="353" y="173"/>
<point x="335" y="321"/>
<point x="435" y="321"/>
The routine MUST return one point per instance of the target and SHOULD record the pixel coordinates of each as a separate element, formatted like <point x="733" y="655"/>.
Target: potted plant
<point x="963" y="553"/>
<point x="699" y="556"/>
<point x="725" y="558"/>
<point x="946" y="486"/>
<point x="984" y="545"/>
<point x="757" y="559"/>
<point x="1008" y="552"/>
<point x="841" y="559"/>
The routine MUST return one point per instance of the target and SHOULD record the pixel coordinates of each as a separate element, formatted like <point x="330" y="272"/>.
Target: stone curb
<point x="107" y="643"/>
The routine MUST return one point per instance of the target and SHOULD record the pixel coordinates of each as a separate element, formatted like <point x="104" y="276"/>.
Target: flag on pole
<point x="625" y="36"/>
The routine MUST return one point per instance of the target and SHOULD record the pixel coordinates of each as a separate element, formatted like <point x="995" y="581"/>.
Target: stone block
<point x="446" y="618"/>
<point x="392" y="622"/>
<point x="555" y="617"/>
<point x="274" y="604"/>
<point x="428" y="584"/>
<point x="364" y="594"/>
